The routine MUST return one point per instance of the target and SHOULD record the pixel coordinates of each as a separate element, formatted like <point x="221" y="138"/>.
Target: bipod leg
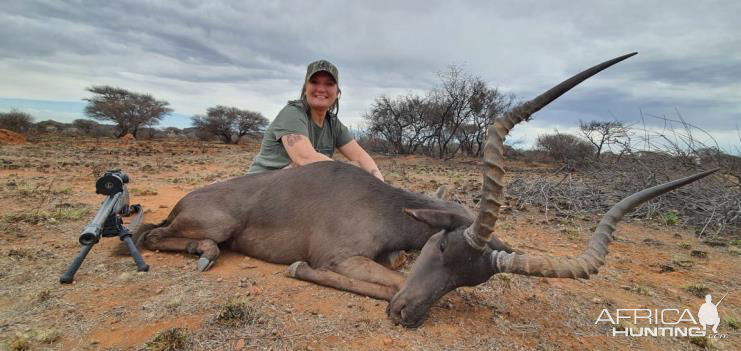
<point x="69" y="275"/>
<point x="125" y="235"/>
<point x="141" y="266"/>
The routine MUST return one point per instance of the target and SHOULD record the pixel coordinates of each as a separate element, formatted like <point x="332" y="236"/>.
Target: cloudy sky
<point x="253" y="55"/>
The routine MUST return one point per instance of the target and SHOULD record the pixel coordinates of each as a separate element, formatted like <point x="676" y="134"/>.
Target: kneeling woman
<point x="308" y="130"/>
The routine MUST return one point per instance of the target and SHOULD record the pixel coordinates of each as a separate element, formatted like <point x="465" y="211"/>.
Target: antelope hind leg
<point x="302" y="271"/>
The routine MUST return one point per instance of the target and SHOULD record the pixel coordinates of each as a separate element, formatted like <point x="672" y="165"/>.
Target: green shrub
<point x="670" y="218"/>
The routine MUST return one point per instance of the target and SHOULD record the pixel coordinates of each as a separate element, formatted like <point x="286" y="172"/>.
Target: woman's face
<point x="321" y="91"/>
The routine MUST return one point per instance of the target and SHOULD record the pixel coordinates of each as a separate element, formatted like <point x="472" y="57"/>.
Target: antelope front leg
<point x="162" y="239"/>
<point x="365" y="269"/>
<point x="359" y="275"/>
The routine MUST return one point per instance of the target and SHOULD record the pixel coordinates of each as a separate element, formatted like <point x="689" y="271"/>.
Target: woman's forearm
<point x="300" y="151"/>
<point x="308" y="158"/>
<point x="366" y="162"/>
<point x="355" y="153"/>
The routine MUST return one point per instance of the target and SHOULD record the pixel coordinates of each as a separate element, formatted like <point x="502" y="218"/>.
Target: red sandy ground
<point x="11" y="137"/>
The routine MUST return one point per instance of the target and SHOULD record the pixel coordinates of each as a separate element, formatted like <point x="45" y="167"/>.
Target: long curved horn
<point x="480" y="232"/>
<point x="594" y="255"/>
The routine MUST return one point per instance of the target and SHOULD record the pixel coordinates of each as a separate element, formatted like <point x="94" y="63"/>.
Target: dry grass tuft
<point x="19" y="343"/>
<point x="698" y="290"/>
<point x="143" y="192"/>
<point x="700" y="341"/>
<point x="238" y="312"/>
<point x="640" y="289"/>
<point x="43" y="296"/>
<point x="684" y="263"/>
<point x="169" y="340"/>
<point x="46" y="336"/>
<point x="22" y="341"/>
<point x="732" y="322"/>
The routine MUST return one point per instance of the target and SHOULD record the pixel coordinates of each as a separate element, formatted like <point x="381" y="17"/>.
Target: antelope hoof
<point x="398" y="259"/>
<point x="293" y="268"/>
<point x="204" y="264"/>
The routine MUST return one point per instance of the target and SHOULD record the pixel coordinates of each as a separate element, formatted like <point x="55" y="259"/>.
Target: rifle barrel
<point x="91" y="233"/>
<point x="721" y="299"/>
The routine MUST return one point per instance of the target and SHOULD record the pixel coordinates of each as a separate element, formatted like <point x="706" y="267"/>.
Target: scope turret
<point x="111" y="182"/>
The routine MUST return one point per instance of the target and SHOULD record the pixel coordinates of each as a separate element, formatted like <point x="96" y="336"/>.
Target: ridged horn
<point x="492" y="191"/>
<point x="589" y="261"/>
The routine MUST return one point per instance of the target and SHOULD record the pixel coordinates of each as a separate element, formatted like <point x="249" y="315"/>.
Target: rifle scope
<point x="111" y="182"/>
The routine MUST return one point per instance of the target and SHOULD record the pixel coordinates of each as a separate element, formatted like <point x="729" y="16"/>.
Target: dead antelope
<point x="336" y="224"/>
<point x="468" y="255"/>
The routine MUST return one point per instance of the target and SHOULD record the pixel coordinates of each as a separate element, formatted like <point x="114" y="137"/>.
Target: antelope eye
<point x="442" y="244"/>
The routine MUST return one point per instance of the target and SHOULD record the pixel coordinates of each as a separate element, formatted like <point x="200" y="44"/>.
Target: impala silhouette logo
<point x="665" y="322"/>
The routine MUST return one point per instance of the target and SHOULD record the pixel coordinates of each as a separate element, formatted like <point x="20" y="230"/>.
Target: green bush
<point x="670" y="218"/>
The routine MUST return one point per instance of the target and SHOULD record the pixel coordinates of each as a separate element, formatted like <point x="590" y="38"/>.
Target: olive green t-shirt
<point x="294" y="119"/>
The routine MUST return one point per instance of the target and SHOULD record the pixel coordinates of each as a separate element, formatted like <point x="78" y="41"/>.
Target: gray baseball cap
<point x="322" y="66"/>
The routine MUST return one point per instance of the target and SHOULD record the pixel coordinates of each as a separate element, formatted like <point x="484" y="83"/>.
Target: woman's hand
<point x="354" y="152"/>
<point x="378" y="174"/>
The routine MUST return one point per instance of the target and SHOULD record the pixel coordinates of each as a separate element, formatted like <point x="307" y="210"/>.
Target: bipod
<point x="112" y="227"/>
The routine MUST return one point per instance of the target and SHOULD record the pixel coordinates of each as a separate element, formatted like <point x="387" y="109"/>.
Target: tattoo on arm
<point x="291" y="139"/>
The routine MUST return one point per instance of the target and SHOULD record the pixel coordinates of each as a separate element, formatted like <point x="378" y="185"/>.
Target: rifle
<point x="108" y="223"/>
<point x="721" y="299"/>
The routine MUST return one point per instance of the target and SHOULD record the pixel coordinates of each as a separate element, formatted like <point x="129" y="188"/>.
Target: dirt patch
<point x="111" y="306"/>
<point x="11" y="137"/>
<point x="127" y="138"/>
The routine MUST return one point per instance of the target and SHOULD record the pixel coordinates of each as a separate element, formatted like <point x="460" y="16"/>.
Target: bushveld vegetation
<point x="450" y="119"/>
<point x="129" y="110"/>
<point x="229" y="123"/>
<point x="17" y="121"/>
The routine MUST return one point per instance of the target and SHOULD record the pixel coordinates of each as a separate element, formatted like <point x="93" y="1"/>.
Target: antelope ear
<point x="442" y="192"/>
<point x="442" y="219"/>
